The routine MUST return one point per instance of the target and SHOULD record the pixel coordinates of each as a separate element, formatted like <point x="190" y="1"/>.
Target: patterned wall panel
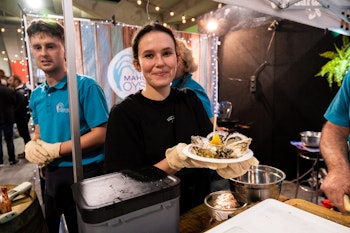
<point x="98" y="42"/>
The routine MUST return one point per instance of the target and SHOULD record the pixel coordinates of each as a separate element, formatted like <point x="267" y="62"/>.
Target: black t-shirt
<point x="140" y="130"/>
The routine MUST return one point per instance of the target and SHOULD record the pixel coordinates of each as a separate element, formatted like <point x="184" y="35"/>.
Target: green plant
<point x="336" y="68"/>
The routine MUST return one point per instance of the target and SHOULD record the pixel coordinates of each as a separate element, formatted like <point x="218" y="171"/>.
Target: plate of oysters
<point x="219" y="147"/>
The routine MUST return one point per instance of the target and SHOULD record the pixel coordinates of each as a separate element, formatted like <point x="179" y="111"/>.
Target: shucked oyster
<point x="199" y="141"/>
<point x="239" y="148"/>
<point x="238" y="143"/>
<point x="233" y="145"/>
<point x="203" y="143"/>
<point x="234" y="137"/>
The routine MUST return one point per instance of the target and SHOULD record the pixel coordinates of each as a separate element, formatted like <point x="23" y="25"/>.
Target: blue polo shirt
<point x="50" y="110"/>
<point x="338" y="111"/>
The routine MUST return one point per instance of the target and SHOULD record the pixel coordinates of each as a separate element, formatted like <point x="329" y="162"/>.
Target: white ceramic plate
<point x="188" y="150"/>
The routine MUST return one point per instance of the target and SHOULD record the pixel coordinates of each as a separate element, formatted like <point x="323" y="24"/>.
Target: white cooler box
<point x="128" y="201"/>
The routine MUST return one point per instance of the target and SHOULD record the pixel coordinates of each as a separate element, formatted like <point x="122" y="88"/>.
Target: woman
<point x="146" y="124"/>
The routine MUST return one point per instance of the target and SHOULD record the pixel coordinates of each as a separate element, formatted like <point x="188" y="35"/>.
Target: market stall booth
<point x="92" y="60"/>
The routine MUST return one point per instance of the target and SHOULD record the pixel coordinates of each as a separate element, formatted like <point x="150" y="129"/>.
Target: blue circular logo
<point x="122" y="76"/>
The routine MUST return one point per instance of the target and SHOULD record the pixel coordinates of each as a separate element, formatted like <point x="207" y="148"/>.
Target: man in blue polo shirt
<point x="51" y="145"/>
<point x="334" y="147"/>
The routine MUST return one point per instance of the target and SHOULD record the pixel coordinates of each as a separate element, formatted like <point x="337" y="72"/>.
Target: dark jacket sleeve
<point x="21" y="103"/>
<point x="7" y="105"/>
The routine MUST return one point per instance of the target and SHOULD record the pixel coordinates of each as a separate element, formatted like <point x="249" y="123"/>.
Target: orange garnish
<point x="216" y="140"/>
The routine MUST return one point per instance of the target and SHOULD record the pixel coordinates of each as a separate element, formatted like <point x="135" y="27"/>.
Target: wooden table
<point x="320" y="211"/>
<point x="30" y="218"/>
<point x="198" y="219"/>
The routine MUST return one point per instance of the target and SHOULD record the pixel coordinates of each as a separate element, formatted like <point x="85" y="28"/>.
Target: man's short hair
<point x="51" y="27"/>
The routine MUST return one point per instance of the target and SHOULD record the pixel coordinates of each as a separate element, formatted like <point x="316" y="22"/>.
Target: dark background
<point x="288" y="97"/>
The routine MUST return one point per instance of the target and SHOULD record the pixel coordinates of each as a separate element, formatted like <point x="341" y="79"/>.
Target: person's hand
<point x="237" y="169"/>
<point x="53" y="149"/>
<point x="35" y="153"/>
<point x="178" y="160"/>
<point x="335" y="186"/>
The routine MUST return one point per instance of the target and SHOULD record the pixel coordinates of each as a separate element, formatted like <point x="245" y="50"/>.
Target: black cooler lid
<point x="108" y="196"/>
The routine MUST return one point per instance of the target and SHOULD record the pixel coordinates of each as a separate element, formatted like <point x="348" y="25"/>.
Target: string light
<point x="183" y="19"/>
<point x="37" y="4"/>
<point x="212" y="25"/>
<point x="157" y="8"/>
<point x="210" y="40"/>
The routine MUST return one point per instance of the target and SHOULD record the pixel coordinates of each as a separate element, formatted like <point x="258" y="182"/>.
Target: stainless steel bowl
<point x="310" y="138"/>
<point x="259" y="183"/>
<point x="220" y="213"/>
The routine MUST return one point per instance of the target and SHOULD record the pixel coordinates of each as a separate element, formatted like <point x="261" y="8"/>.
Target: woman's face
<point x="157" y="59"/>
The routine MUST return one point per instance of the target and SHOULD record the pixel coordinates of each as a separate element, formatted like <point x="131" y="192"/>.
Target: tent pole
<point x="72" y="89"/>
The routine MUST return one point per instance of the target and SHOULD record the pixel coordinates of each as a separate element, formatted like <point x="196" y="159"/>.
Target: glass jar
<point x="5" y="202"/>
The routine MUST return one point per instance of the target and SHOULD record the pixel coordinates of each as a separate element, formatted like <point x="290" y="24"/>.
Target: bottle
<point x="5" y="202"/>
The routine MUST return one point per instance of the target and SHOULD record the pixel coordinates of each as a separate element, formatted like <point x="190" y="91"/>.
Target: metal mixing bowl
<point x="310" y="138"/>
<point x="220" y="213"/>
<point x="259" y="183"/>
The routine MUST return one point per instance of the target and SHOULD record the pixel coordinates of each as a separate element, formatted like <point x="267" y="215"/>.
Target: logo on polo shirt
<point x="60" y="108"/>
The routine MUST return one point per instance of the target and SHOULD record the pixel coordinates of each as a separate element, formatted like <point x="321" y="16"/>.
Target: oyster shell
<point x="234" y="137"/>
<point x="205" y="152"/>
<point x="199" y="141"/>
<point x="234" y="145"/>
<point x="239" y="148"/>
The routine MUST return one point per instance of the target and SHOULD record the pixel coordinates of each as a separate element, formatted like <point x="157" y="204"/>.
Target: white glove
<point x="178" y="160"/>
<point x="53" y="149"/>
<point x="237" y="169"/>
<point x="35" y="153"/>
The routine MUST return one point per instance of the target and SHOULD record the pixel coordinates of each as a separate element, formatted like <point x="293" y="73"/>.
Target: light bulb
<point x="212" y="25"/>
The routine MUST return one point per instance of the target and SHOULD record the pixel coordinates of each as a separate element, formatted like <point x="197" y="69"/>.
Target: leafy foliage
<point x="339" y="63"/>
